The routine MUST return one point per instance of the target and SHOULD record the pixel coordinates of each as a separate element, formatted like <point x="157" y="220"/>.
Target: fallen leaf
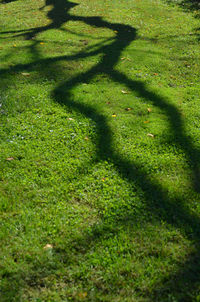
<point x="9" y="158"/>
<point x="86" y="138"/>
<point x="108" y="103"/>
<point x="103" y="179"/>
<point x="82" y="295"/>
<point x="70" y="119"/>
<point x="85" y="42"/>
<point x="48" y="247"/>
<point x="114" y="115"/>
<point x="146" y="122"/>
<point x="14" y="45"/>
<point x="155" y="74"/>
<point x="26" y="74"/>
<point x="128" y="109"/>
<point x="150" y="135"/>
<point x="124" y="58"/>
<point x="41" y="43"/>
<point x="149" y="110"/>
<point x="125" y="92"/>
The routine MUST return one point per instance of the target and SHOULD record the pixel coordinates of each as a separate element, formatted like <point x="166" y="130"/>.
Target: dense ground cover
<point x="99" y="161"/>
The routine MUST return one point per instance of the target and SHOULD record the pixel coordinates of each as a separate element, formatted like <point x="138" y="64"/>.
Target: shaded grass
<point x="120" y="208"/>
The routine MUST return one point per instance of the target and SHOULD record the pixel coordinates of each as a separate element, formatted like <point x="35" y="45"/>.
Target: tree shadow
<point x="7" y="1"/>
<point x="187" y="4"/>
<point x="191" y="4"/>
<point x="186" y="280"/>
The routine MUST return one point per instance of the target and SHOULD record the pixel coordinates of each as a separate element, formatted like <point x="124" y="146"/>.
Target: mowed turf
<point x="99" y="160"/>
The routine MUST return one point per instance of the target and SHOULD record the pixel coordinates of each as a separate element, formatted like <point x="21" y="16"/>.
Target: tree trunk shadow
<point x="187" y="278"/>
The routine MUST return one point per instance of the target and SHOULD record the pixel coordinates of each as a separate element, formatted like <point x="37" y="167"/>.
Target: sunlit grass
<point x="99" y="166"/>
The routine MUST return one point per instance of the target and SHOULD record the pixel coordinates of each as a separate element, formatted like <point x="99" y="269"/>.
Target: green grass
<point x="99" y="140"/>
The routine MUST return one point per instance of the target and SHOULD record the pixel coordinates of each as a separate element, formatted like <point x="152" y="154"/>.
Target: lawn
<point x="100" y="151"/>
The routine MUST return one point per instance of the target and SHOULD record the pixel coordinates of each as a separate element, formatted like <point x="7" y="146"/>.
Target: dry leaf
<point x="128" y="109"/>
<point x="108" y="103"/>
<point x="86" y="138"/>
<point x="125" y="59"/>
<point x="82" y="295"/>
<point x="149" y="109"/>
<point x="26" y="74"/>
<point x="124" y="92"/>
<point x="85" y="42"/>
<point x="41" y="43"/>
<point x="103" y="179"/>
<point x="146" y="122"/>
<point x="48" y="247"/>
<point x="114" y="115"/>
<point x="150" y="135"/>
<point x="9" y="158"/>
<point x="70" y="119"/>
<point x="155" y="74"/>
<point x="14" y="45"/>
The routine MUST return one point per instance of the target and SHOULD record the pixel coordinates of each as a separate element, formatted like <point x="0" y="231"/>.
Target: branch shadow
<point x="186" y="280"/>
<point x="7" y="1"/>
<point x="189" y="5"/>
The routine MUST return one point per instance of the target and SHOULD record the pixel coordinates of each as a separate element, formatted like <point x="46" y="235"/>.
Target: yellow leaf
<point x="114" y="115"/>
<point x="124" y="58"/>
<point x="146" y="122"/>
<point x="124" y="92"/>
<point x="82" y="295"/>
<point x="48" y="247"/>
<point x="9" y="158"/>
<point x="26" y="74"/>
<point x="150" y="135"/>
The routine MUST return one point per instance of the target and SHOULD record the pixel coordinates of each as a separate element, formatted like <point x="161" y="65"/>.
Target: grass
<point x="99" y="178"/>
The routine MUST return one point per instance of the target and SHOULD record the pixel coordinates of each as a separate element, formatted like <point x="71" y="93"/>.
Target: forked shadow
<point x="156" y="197"/>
